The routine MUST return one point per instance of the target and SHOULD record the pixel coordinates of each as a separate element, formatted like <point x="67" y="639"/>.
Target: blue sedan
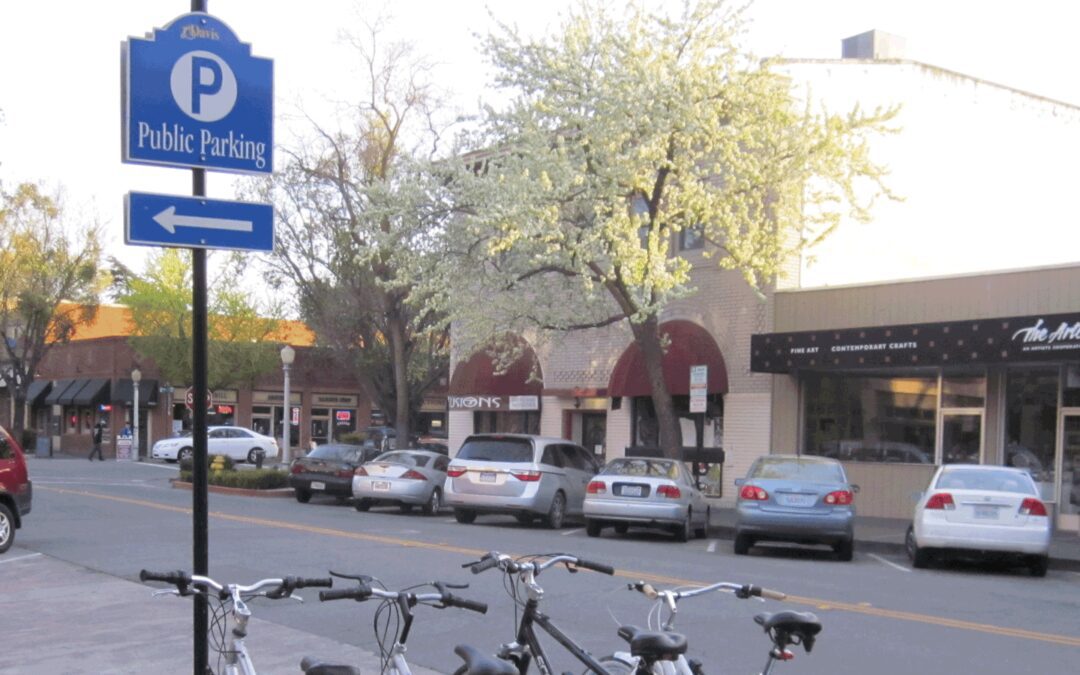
<point x="799" y="499"/>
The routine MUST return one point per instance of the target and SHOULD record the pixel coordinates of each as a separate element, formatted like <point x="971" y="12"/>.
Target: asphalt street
<point x="879" y="615"/>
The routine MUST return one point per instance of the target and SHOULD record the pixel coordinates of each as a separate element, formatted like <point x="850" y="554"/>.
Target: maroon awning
<point x="690" y="345"/>
<point x="476" y="376"/>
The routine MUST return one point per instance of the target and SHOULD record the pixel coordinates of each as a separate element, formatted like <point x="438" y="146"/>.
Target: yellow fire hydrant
<point x="218" y="463"/>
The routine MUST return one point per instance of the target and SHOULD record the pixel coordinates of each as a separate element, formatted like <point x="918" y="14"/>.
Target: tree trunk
<point x="396" y="324"/>
<point x="17" y="418"/>
<point x="647" y="336"/>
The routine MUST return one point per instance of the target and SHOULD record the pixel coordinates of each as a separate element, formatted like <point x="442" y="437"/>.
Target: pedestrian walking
<point x="98" y="430"/>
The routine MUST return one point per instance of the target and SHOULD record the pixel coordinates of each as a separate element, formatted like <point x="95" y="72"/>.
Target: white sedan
<point x="980" y="510"/>
<point x="236" y="443"/>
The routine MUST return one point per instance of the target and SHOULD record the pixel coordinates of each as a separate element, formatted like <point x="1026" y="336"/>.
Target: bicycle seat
<point x="312" y="666"/>
<point x="782" y="626"/>
<point x="653" y="645"/>
<point x="478" y="663"/>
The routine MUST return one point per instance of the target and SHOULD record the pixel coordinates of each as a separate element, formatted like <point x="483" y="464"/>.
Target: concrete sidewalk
<point x="63" y="619"/>
<point x="886" y="535"/>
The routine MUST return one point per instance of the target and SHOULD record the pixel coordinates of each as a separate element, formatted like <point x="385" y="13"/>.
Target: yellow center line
<point x="862" y="608"/>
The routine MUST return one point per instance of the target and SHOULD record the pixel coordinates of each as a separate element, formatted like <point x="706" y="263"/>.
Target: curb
<point x="727" y="532"/>
<point x="243" y="492"/>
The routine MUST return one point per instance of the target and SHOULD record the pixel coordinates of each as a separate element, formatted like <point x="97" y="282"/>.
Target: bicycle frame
<point x="238" y="662"/>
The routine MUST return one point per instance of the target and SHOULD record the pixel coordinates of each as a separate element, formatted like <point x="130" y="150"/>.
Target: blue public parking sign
<point x="194" y="96"/>
<point x="197" y="222"/>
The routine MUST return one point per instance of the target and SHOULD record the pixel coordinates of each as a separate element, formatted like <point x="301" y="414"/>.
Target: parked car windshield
<point x="984" y="479"/>
<point x="348" y="453"/>
<point x="406" y="458"/>
<point x="813" y="471"/>
<point x="497" y="450"/>
<point x="652" y="468"/>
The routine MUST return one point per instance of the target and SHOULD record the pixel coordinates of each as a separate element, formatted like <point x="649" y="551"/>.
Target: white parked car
<point x="985" y="511"/>
<point x="234" y="442"/>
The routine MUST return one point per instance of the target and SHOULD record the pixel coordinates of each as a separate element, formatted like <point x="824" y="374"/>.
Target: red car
<point x="15" y="489"/>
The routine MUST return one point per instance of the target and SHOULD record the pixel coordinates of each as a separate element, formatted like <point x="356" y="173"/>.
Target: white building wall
<point x="460" y="425"/>
<point x="618" y="431"/>
<point x="551" y="416"/>
<point x="746" y="437"/>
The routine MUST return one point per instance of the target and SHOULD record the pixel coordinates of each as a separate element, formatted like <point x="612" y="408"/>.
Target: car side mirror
<point x="739" y="481"/>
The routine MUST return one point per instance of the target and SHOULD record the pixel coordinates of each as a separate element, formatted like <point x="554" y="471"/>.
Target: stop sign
<point x="189" y="398"/>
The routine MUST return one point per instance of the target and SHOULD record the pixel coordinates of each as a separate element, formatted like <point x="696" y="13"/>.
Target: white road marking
<point x="22" y="557"/>
<point x="452" y="520"/>
<point x="571" y="532"/>
<point x="171" y="467"/>
<point x="712" y="546"/>
<point x="888" y="562"/>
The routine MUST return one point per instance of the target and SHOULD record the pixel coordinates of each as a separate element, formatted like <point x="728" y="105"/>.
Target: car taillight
<point x="941" y="500"/>
<point x="413" y="475"/>
<point x="526" y="476"/>
<point x="669" y="491"/>
<point x="839" y="498"/>
<point x="344" y="473"/>
<point x="296" y="468"/>
<point x="596" y="487"/>
<point x="455" y="471"/>
<point x="754" y="493"/>
<point x="360" y="471"/>
<point x="1032" y="507"/>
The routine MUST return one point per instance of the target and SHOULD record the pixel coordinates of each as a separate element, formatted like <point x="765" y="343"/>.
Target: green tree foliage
<point x="361" y="215"/>
<point x="50" y="278"/>
<point x="242" y="340"/>
<point x="624" y="130"/>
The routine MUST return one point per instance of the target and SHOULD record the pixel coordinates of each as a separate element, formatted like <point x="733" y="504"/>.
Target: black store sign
<point x="1051" y="337"/>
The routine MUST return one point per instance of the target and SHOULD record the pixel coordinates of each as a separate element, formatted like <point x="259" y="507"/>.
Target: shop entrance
<point x="1068" y="469"/>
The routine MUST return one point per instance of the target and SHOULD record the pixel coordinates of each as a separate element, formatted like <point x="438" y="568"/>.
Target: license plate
<point x="380" y="485"/>
<point x="316" y="485"/>
<point x="631" y="491"/>
<point x="986" y="512"/>
<point x="487" y="476"/>
<point x="798" y="500"/>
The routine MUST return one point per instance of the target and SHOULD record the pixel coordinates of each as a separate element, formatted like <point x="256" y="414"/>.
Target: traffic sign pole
<point x="199" y="508"/>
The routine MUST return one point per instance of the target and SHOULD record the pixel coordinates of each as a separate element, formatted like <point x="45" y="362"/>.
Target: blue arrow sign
<point x="193" y="222"/>
<point x="194" y="96"/>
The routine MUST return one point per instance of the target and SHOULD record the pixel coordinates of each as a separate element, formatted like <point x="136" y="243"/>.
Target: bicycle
<point x="230" y="645"/>
<point x="514" y="658"/>
<point x="399" y="604"/>
<point x="663" y="652"/>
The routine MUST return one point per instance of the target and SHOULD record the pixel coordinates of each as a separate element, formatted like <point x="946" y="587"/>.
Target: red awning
<point x="476" y="376"/>
<point x="691" y="345"/>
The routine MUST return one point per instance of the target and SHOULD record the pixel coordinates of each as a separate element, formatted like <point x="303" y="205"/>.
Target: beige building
<point x="981" y="169"/>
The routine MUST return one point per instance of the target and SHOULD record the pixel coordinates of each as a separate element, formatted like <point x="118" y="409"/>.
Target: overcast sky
<point x="60" y="83"/>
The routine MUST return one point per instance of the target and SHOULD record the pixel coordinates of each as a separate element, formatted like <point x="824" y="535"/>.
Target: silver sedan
<point x="407" y="478"/>
<point x="646" y="493"/>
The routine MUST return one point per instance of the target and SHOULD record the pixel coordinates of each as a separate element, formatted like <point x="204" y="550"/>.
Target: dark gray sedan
<point x="799" y="499"/>
<point x="644" y="492"/>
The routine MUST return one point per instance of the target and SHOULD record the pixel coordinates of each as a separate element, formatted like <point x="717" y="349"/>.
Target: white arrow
<point x="170" y="221"/>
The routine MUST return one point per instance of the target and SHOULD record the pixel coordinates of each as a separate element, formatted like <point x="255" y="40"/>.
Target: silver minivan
<point x="518" y="474"/>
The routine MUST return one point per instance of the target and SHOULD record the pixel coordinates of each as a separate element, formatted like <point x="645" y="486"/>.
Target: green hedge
<point x="258" y="479"/>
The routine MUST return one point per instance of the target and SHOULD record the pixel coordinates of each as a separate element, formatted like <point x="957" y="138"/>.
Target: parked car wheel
<point x="253" y="454"/>
<point x="593" y="528"/>
<point x="434" y="504"/>
<point x="743" y="542"/>
<point x="919" y="558"/>
<point x="557" y="513"/>
<point x="464" y="516"/>
<point x="703" y="531"/>
<point x="7" y="528"/>
<point x="621" y="528"/>
<point x="845" y="550"/>
<point x="303" y="496"/>
<point x="182" y="454"/>
<point x="684" y="531"/>
<point x="362" y="505"/>
<point x="1039" y="565"/>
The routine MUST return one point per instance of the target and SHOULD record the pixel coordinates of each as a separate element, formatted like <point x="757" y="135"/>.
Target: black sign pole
<point x="199" y="509"/>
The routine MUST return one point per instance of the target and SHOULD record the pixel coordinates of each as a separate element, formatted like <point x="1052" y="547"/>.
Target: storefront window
<point x="870" y="419"/>
<point x="1031" y="407"/>
<point x="489" y="421"/>
<point x="963" y="392"/>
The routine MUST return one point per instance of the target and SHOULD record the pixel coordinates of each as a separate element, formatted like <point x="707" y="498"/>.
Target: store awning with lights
<point x="475" y="384"/>
<point x="124" y="392"/>
<point x="688" y="345"/>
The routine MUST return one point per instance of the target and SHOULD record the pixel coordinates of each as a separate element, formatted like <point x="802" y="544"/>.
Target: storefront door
<point x="1068" y="470"/>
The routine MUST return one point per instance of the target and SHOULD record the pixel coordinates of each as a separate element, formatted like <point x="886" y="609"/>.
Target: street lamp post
<point x="288" y="354"/>
<point x="136" y="377"/>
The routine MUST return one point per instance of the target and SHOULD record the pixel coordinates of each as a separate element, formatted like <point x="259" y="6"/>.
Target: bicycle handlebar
<point x="511" y="566"/>
<point x="283" y="587"/>
<point x="358" y="593"/>
<point x="741" y="591"/>
<point x="443" y="597"/>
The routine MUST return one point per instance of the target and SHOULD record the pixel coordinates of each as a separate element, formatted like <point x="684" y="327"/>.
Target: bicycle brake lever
<point x="165" y="591"/>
